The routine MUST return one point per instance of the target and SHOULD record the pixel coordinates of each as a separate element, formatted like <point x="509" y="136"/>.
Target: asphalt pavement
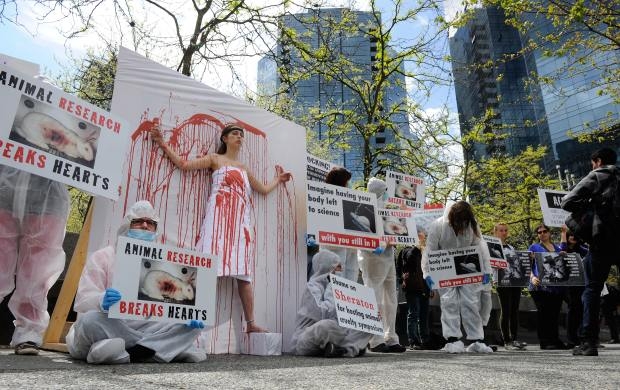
<point x="530" y="369"/>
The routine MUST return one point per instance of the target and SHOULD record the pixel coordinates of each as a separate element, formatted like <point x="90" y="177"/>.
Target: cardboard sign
<point x="517" y="274"/>
<point x="356" y="306"/>
<point x="398" y="227"/>
<point x="550" y="201"/>
<point x="317" y="168"/>
<point x="163" y="283"/>
<point x="405" y="190"/>
<point x="455" y="267"/>
<point x="423" y="218"/>
<point x="49" y="133"/>
<point x="496" y="252"/>
<point x="344" y="217"/>
<point x="555" y="269"/>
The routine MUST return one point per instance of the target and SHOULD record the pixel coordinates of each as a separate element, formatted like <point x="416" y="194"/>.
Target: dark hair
<point x="608" y="156"/>
<point x="338" y="176"/>
<point x="460" y="216"/>
<point x="227" y="129"/>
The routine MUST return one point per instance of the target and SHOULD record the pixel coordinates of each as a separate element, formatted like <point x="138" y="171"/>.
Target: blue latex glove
<point x="310" y="242"/>
<point x="429" y="282"/>
<point x="195" y="324"/>
<point x="486" y="278"/>
<point x="110" y="297"/>
<point x="378" y="250"/>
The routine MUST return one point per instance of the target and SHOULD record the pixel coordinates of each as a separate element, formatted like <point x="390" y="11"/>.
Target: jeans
<point x="509" y="298"/>
<point x="417" y="318"/>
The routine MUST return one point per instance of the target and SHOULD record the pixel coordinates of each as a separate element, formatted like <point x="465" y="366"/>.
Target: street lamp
<point x="557" y="167"/>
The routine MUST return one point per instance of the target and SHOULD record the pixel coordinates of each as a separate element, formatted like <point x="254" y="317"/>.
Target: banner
<point x="163" y="283"/>
<point x="317" y="169"/>
<point x="342" y="216"/>
<point x="398" y="227"/>
<point x="405" y="190"/>
<point x="517" y="274"/>
<point x="423" y="218"/>
<point x="356" y="306"/>
<point x="455" y="267"/>
<point x="496" y="252"/>
<point x="559" y="269"/>
<point x="550" y="201"/>
<point x="49" y="133"/>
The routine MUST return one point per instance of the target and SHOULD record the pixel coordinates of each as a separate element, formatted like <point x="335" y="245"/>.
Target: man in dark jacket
<point x="591" y="192"/>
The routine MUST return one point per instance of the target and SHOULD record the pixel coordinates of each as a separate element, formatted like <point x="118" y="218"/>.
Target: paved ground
<point x="533" y="369"/>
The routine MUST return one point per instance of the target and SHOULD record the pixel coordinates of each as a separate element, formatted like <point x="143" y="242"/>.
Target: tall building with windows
<point x="319" y="94"/>
<point x="492" y="88"/>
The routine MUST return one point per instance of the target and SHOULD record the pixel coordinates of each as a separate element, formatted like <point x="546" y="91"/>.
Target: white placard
<point x="455" y="267"/>
<point x="163" y="283"/>
<point x="356" y="306"/>
<point x="405" y="190"/>
<point x="49" y="133"/>
<point x="550" y="201"/>
<point x="496" y="252"/>
<point x="423" y="218"/>
<point x="398" y="227"/>
<point x="317" y="168"/>
<point x="341" y="216"/>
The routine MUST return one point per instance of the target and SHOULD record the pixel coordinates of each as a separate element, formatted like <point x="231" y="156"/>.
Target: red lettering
<point x="70" y="107"/>
<point x="117" y="127"/>
<point x="7" y="150"/>
<point x="78" y="109"/>
<point x="101" y="119"/>
<point x="160" y="310"/>
<point x="19" y="155"/>
<point x="110" y="124"/>
<point x="86" y="112"/>
<point x="122" y="307"/>
<point x="41" y="163"/>
<point x="62" y="102"/>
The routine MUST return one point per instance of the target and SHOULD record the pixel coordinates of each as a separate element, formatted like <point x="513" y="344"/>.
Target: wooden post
<point x="58" y="320"/>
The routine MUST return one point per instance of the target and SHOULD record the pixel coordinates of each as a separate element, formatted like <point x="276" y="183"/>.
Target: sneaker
<point x="585" y="349"/>
<point x="396" y="348"/>
<point x="519" y="344"/>
<point x="509" y="347"/>
<point x="382" y="348"/>
<point x="332" y="351"/>
<point x="415" y="347"/>
<point x="27" y="348"/>
<point x="454" y="347"/>
<point x="479" y="347"/>
<point x="613" y="341"/>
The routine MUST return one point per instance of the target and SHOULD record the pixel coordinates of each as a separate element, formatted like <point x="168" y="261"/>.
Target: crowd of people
<point x="33" y="212"/>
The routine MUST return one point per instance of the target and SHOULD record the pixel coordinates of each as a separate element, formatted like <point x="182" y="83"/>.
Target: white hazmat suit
<point x="317" y="321"/>
<point x="101" y="340"/>
<point x="33" y="215"/>
<point x="459" y="305"/>
<point x="379" y="273"/>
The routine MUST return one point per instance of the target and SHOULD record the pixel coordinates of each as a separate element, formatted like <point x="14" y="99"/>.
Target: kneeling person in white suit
<point x="317" y="332"/>
<point x="101" y="340"/>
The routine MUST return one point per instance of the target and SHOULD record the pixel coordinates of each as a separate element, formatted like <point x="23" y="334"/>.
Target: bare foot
<point x="251" y="328"/>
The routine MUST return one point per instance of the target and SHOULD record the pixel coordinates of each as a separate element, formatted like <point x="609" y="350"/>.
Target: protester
<point x="459" y="305"/>
<point x="379" y="273"/>
<point x="227" y="230"/>
<point x="600" y="184"/>
<point x="571" y="244"/>
<point x="509" y="297"/>
<point x="101" y="340"/>
<point x="317" y="332"/>
<point x="417" y="293"/>
<point x="340" y="177"/>
<point x="548" y="299"/>
<point x="33" y="215"/>
<point x="609" y="307"/>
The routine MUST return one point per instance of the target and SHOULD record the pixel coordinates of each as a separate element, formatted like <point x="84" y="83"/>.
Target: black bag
<point x="580" y="223"/>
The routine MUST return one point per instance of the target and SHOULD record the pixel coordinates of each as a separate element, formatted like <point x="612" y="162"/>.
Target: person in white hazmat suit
<point x="459" y="305"/>
<point x="317" y="332"/>
<point x="101" y="340"/>
<point x="33" y="215"/>
<point x="379" y="273"/>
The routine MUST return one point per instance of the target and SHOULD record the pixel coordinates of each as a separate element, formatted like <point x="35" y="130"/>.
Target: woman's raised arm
<point x="205" y="162"/>
<point x="261" y="188"/>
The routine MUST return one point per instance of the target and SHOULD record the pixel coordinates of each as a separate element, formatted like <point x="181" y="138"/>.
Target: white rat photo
<point x="167" y="283"/>
<point x="405" y="190"/>
<point x="395" y="226"/>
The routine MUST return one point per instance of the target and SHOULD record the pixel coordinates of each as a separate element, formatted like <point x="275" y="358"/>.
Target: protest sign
<point x="398" y="227"/>
<point x="555" y="269"/>
<point x="49" y="133"/>
<point x="317" y="168"/>
<point x="356" y="306"/>
<point x="342" y="216"/>
<point x="517" y="274"/>
<point x="405" y="190"/>
<point x="424" y="217"/>
<point x="455" y="267"/>
<point x="550" y="201"/>
<point x="163" y="283"/>
<point x="496" y="252"/>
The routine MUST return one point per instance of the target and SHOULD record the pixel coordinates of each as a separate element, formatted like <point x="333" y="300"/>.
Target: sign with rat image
<point x="343" y="217"/>
<point x="163" y="283"/>
<point x="496" y="252"/>
<point x="517" y="274"/>
<point x="455" y="267"/>
<point x="398" y="227"/>
<point x="559" y="269"/>
<point x="50" y="133"/>
<point x="405" y="190"/>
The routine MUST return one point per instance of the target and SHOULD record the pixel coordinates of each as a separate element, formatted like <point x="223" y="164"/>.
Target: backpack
<point x="609" y="202"/>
